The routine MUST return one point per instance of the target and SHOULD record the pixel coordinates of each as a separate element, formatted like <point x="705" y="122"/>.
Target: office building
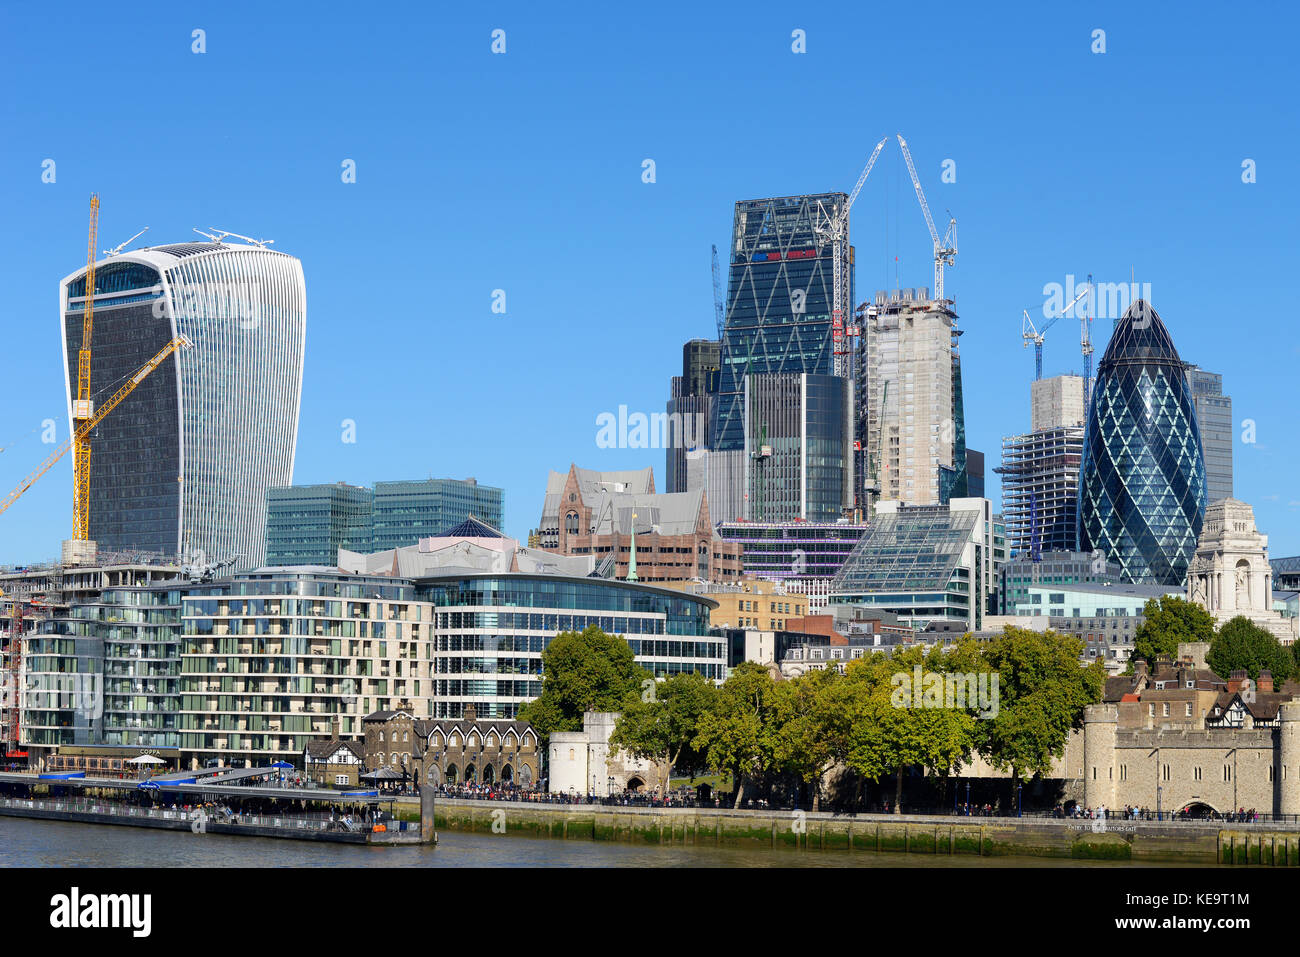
<point x="748" y="603"/>
<point x="1142" y="493"/>
<point x="914" y="420"/>
<point x="184" y="463"/>
<point x="1214" y="416"/>
<point x="796" y="463"/>
<point x="690" y="412"/>
<point x="802" y="556"/>
<point x="1050" y="568"/>
<point x="632" y="532"/>
<point x="1040" y="470"/>
<point x="405" y="512"/>
<point x="1105" y="616"/>
<point x="308" y="524"/>
<point x="779" y="315"/>
<point x="497" y="606"/>
<point x="934" y="566"/>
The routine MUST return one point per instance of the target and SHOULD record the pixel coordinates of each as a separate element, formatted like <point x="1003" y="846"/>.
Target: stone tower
<point x="1100" y="735"/>
<point x="1230" y="574"/>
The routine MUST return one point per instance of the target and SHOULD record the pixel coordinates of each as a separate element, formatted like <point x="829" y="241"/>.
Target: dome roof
<point x="1140" y="336"/>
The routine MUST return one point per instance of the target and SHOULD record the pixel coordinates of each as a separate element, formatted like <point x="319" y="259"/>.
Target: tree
<point x="812" y="721"/>
<point x="1241" y="644"/>
<point x="662" y="723"/>
<point x="591" y="671"/>
<point x="1042" y="691"/>
<point x="1167" y="622"/>
<point x="736" y="734"/>
<point x="892" y="730"/>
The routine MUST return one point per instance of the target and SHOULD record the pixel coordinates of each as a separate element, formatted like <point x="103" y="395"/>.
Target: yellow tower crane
<point x="81" y="438"/>
<point x="83" y="408"/>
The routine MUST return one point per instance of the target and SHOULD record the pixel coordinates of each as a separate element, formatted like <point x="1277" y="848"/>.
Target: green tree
<point x="737" y="733"/>
<point x="891" y="731"/>
<point x="1042" y="691"/>
<point x="1241" y="644"/>
<point x="661" y="724"/>
<point x="1167" y="622"/>
<point x="591" y="671"/>
<point x="811" y="725"/>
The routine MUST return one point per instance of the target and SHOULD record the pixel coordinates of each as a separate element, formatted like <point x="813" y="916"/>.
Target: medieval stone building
<point x="453" y="751"/>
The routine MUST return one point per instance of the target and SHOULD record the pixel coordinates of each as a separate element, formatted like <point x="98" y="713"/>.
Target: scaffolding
<point x="1040" y="488"/>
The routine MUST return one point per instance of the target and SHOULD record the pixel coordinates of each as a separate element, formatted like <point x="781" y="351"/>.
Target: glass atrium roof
<point x="914" y="549"/>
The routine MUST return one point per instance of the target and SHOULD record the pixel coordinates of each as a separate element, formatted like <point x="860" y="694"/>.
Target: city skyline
<point x="376" y="259"/>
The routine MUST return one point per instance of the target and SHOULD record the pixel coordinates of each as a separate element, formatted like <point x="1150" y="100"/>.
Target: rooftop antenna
<point x="263" y="243"/>
<point x="120" y="246"/>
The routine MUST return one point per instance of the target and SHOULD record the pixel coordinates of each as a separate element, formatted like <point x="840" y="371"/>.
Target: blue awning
<point x="360" y="794"/>
<point x="65" y="776"/>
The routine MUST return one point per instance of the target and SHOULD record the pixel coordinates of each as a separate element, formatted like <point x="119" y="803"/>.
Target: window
<point x="341" y="779"/>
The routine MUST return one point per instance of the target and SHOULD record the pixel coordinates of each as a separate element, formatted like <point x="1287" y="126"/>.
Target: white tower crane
<point x="945" y="250"/>
<point x="835" y="230"/>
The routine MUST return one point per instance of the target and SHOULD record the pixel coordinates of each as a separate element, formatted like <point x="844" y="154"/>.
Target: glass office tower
<point x="778" y="321"/>
<point x="308" y="524"/>
<point x="1142" y="488"/>
<point x="185" y="461"/>
<point x="405" y="512"/>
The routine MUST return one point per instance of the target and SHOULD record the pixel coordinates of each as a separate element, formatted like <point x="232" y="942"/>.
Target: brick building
<point x="600" y="514"/>
<point x="453" y="751"/>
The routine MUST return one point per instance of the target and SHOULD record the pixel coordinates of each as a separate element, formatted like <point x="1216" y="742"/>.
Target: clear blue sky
<point x="522" y="172"/>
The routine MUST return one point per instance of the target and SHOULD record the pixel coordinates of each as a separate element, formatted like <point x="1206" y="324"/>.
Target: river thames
<point x="30" y="843"/>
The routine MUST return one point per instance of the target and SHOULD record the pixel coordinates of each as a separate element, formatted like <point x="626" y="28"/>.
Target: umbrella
<point x="146" y="759"/>
<point x="282" y="764"/>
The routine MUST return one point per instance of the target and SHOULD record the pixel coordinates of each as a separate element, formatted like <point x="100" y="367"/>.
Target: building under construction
<point x="1040" y="470"/>
<point x="1040" y="489"/>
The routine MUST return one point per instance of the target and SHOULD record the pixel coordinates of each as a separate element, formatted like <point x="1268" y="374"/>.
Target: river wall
<point x="1158" y="842"/>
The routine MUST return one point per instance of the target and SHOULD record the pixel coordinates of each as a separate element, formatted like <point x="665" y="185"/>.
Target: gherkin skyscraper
<point x="1142" y="491"/>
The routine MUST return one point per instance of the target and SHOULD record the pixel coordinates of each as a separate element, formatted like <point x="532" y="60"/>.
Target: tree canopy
<point x="1167" y="622"/>
<point x="587" y="671"/>
<point x="1241" y="644"/>
<point x="661" y="724"/>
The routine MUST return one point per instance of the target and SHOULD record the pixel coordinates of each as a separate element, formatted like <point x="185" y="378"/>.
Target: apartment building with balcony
<point x="270" y="658"/>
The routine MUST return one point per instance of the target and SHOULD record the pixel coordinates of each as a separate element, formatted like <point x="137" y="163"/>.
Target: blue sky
<point x="522" y="172"/>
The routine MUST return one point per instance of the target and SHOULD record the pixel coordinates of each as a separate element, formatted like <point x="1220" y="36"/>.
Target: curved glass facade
<point x="185" y="462"/>
<point x="490" y="632"/>
<point x="1142" y="489"/>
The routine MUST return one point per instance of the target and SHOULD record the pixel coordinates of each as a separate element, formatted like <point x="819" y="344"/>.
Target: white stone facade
<point x="1230" y="575"/>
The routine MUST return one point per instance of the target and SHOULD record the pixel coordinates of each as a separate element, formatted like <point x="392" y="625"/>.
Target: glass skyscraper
<point x="1142" y="488"/>
<point x="778" y="321"/>
<point x="1214" y="416"/>
<point x="185" y="461"/>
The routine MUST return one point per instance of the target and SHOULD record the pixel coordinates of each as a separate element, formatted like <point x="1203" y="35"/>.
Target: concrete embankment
<point x="1163" y="842"/>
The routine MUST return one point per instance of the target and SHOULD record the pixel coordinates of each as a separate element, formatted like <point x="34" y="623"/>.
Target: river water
<point x="30" y="843"/>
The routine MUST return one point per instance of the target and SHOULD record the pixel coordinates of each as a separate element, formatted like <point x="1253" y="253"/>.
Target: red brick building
<point x="595" y="513"/>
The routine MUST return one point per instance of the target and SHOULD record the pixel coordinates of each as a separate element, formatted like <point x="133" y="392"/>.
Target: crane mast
<point x="835" y="229"/>
<point x="945" y="250"/>
<point x="719" y="310"/>
<point x="83" y="409"/>
<point x="82" y="436"/>
<point x="1030" y="333"/>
